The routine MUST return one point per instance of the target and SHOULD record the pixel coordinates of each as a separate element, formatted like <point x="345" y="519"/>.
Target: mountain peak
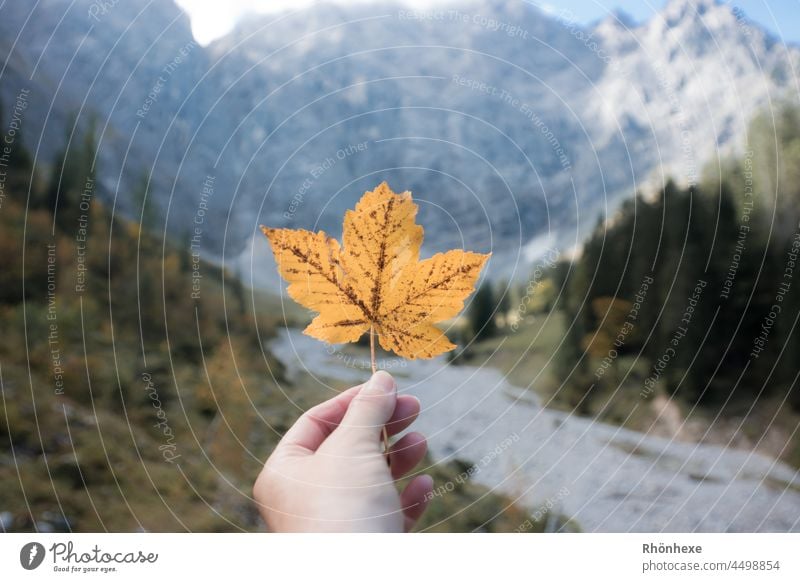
<point x="678" y="10"/>
<point x="618" y="18"/>
<point x="613" y="28"/>
<point x="623" y="17"/>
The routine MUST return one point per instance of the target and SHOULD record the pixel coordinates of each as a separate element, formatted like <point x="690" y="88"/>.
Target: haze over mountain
<point x="514" y="129"/>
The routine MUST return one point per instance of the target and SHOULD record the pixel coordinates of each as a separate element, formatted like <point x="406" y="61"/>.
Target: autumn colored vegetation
<point x="128" y="401"/>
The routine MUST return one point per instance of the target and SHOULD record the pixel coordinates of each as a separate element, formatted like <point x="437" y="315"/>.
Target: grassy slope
<point x="91" y="459"/>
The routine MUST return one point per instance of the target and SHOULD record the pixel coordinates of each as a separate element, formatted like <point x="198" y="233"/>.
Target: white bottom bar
<point x="381" y="558"/>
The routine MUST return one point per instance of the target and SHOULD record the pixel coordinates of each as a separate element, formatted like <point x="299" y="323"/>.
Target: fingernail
<point x="380" y="383"/>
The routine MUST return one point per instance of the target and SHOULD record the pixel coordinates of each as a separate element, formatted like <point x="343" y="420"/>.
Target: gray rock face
<point x="510" y="126"/>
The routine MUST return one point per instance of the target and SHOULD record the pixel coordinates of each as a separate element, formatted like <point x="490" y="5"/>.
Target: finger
<point x="406" y="453"/>
<point x="368" y="412"/>
<point x="317" y="423"/>
<point x="414" y="499"/>
<point x="405" y="412"/>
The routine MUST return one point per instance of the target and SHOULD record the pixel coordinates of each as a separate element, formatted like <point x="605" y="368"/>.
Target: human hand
<point x="329" y="474"/>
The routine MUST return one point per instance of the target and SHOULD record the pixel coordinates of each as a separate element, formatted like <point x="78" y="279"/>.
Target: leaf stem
<point x="374" y="369"/>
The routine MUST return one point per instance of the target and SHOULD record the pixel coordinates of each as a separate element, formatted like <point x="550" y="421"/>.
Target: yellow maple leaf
<point x="376" y="282"/>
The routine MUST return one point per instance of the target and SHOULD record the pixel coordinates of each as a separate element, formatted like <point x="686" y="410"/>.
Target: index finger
<point x="317" y="423"/>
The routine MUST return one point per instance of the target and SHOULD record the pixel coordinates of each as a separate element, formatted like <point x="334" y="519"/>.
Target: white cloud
<point x="213" y="19"/>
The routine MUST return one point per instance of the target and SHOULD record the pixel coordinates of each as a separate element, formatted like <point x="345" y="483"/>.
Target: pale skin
<point x="329" y="472"/>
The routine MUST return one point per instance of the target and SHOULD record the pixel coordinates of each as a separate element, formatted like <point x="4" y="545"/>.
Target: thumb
<point x="370" y="409"/>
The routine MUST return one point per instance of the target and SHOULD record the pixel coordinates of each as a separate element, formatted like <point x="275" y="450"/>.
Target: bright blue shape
<point x="779" y="17"/>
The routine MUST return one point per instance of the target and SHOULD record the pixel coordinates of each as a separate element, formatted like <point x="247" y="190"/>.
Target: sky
<point x="212" y="19"/>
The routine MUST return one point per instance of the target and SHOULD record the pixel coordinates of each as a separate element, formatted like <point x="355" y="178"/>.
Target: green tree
<point x="481" y="313"/>
<point x="774" y="140"/>
<point x="73" y="171"/>
<point x="20" y="172"/>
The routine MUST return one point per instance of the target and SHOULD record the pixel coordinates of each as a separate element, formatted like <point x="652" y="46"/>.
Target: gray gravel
<point x="603" y="477"/>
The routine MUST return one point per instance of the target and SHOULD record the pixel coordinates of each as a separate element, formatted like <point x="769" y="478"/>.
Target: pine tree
<point x="481" y="313"/>
<point x="20" y="172"/>
<point x="74" y="169"/>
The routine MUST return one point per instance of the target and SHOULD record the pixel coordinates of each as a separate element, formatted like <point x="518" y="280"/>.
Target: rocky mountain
<point x="515" y="129"/>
